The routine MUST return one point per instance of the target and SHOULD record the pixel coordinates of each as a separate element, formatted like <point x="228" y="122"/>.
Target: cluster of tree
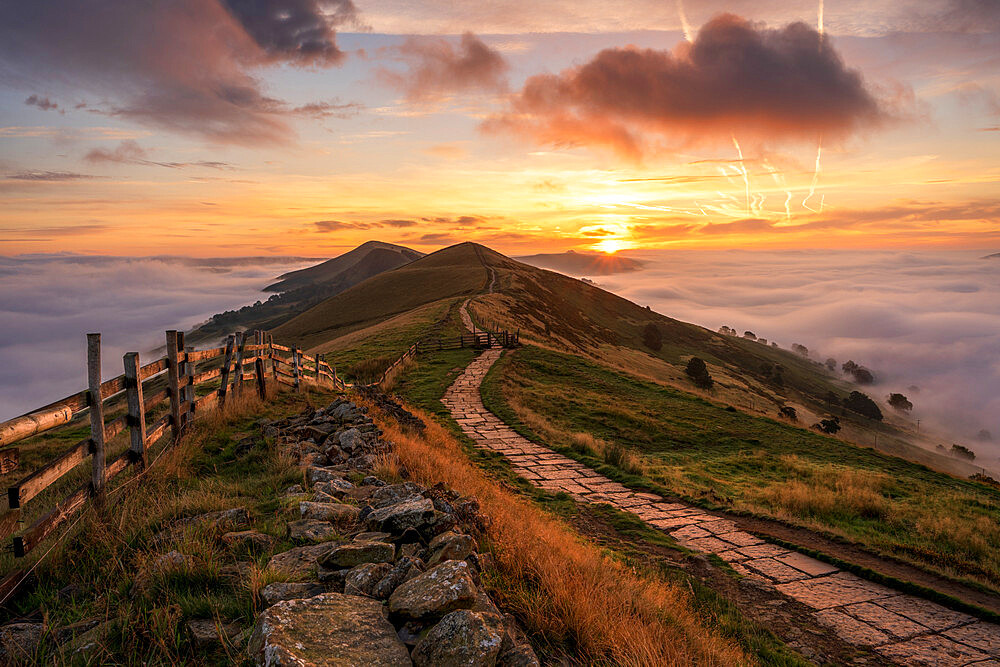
<point x="772" y="374"/>
<point x="788" y="412"/>
<point x="900" y="402"/>
<point x="652" y="337"/>
<point x="863" y="405"/>
<point x="749" y="335"/>
<point x="800" y="349"/>
<point x="860" y="374"/>
<point x="963" y="452"/>
<point x="698" y="372"/>
<point x="831" y="364"/>
<point x="727" y="331"/>
<point x="830" y="425"/>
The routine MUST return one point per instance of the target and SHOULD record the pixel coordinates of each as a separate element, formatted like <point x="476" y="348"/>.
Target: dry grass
<point x="388" y="468"/>
<point x="825" y="491"/>
<point x="561" y="588"/>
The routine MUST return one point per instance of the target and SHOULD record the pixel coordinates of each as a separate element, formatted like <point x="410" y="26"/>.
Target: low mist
<point x="48" y="303"/>
<point x="923" y="319"/>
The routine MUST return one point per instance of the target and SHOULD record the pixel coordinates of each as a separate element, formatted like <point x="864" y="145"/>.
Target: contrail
<point x="819" y="19"/>
<point x="779" y="180"/>
<point x="815" y="180"/>
<point x="688" y="32"/>
<point x="743" y="169"/>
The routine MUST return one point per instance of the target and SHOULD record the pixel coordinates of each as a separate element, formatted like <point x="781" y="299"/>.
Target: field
<point x="701" y="451"/>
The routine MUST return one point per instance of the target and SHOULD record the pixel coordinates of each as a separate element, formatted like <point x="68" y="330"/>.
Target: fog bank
<point x="929" y="319"/>
<point x="48" y="303"/>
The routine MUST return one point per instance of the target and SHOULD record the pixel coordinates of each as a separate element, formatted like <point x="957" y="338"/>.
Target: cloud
<point x="297" y="31"/>
<point x="337" y="225"/>
<point x="925" y="318"/>
<point x="187" y="66"/>
<point x="50" y="176"/>
<point x="398" y="223"/>
<point x="736" y="79"/>
<point x="327" y="109"/>
<point x="49" y="302"/>
<point x="437" y="68"/>
<point x="130" y="152"/>
<point x="43" y="103"/>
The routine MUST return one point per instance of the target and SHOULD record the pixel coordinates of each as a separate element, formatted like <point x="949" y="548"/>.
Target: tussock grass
<point x="113" y="556"/>
<point x="562" y="589"/>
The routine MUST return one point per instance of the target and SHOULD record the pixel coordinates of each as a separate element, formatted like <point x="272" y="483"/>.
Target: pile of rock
<point x="394" y="578"/>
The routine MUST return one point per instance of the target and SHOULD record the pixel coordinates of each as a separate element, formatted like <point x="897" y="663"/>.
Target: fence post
<point x="136" y="409"/>
<point x="271" y="356"/>
<point x="173" y="377"/>
<point x="96" y="411"/>
<point x="224" y="382"/>
<point x="258" y="365"/>
<point x="188" y="386"/>
<point x="296" y="360"/>
<point x="317" y="368"/>
<point x="238" y="378"/>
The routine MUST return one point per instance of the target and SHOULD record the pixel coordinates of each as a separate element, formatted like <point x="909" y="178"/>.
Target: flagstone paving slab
<point x="902" y="628"/>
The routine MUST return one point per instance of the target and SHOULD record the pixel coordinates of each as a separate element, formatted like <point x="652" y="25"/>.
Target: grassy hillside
<point x="368" y="259"/>
<point x="703" y="451"/>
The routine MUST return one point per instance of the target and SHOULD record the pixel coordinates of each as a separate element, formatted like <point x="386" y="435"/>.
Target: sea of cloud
<point x="48" y="303"/>
<point x="927" y="322"/>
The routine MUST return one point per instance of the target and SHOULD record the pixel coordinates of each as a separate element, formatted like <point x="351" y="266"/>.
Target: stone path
<point x="904" y="629"/>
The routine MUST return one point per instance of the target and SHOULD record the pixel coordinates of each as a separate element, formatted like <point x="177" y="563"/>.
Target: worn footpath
<point x="902" y="628"/>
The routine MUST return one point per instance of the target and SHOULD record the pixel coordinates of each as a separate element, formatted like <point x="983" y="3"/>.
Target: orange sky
<point x="519" y="138"/>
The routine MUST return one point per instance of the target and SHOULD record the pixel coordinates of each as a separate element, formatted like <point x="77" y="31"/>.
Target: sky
<point x="219" y="128"/>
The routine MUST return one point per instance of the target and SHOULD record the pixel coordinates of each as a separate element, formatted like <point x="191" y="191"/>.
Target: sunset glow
<point x="517" y="135"/>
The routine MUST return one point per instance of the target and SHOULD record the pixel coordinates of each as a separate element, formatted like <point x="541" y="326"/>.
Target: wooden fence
<point x="477" y="340"/>
<point x="169" y="385"/>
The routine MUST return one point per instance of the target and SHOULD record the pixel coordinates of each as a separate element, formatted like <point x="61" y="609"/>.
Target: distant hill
<point x="995" y="255"/>
<point x="365" y="261"/>
<point x="582" y="263"/>
<point x="300" y="290"/>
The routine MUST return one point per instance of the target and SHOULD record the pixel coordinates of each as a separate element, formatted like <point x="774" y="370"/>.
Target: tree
<point x="849" y="366"/>
<point x="830" y="425"/>
<point x="963" y="452"/>
<point x="863" y="405"/>
<point x="652" y="337"/>
<point x="831" y="364"/>
<point x="749" y="335"/>
<point x="789" y="413"/>
<point x="728" y="331"/>
<point x="698" y="372"/>
<point x="900" y="402"/>
<point x="862" y="375"/>
<point x="800" y="349"/>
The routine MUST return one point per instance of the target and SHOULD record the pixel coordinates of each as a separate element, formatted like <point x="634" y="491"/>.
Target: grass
<point x="697" y="450"/>
<point x="569" y="595"/>
<point x="112" y="559"/>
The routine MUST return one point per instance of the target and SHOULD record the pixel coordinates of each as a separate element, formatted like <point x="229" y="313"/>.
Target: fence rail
<point x="168" y="383"/>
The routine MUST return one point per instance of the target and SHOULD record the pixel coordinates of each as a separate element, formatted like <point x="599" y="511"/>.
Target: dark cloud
<point x="437" y="67"/>
<point x="50" y="176"/>
<point x="183" y="65"/>
<point x="736" y="78"/>
<point x="43" y="103"/>
<point x="398" y="223"/>
<point x="129" y="152"/>
<point x="328" y="109"/>
<point x="435" y="238"/>
<point x="66" y="230"/>
<point x="298" y="31"/>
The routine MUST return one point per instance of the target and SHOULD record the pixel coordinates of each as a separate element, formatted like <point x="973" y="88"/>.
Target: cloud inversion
<point x="736" y="78"/>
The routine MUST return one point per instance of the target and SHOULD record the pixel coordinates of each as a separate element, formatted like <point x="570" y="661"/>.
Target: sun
<point x="611" y="246"/>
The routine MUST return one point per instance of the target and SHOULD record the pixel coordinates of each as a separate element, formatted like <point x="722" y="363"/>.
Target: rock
<point x="350" y="440"/>
<point x="298" y="562"/>
<point x="68" y="632"/>
<point x="238" y="571"/>
<point x="19" y="642"/>
<point x="334" y="453"/>
<point x="333" y="487"/>
<point x="438" y="523"/>
<point x="247" y="540"/>
<point x="515" y="650"/>
<point x="316" y="474"/>
<point x="332" y="512"/>
<point x="271" y="432"/>
<point x="482" y="562"/>
<point x="356" y="553"/>
<point x="396" y="493"/>
<point x="314" y="433"/>
<point x="325" y="630"/>
<point x="399" y="517"/>
<point x="281" y="590"/>
<point x="312" y="531"/>
<point x="436" y="592"/>
<point x="413" y="550"/>
<point x="244" y="446"/>
<point x="84" y="648"/>
<point x="400" y="572"/>
<point x="462" y="637"/>
<point x="363" y="462"/>
<point x="371" y="480"/>
<point x="294" y="490"/>
<point x="237" y="517"/>
<point x="206" y="633"/>
<point x="361" y="580"/>
<point x="69" y="592"/>
<point x="312" y="460"/>
<point x="372" y="536"/>
<point x="450" y="546"/>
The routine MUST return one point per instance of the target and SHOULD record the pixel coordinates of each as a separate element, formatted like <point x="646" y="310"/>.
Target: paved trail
<point x="903" y="628"/>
